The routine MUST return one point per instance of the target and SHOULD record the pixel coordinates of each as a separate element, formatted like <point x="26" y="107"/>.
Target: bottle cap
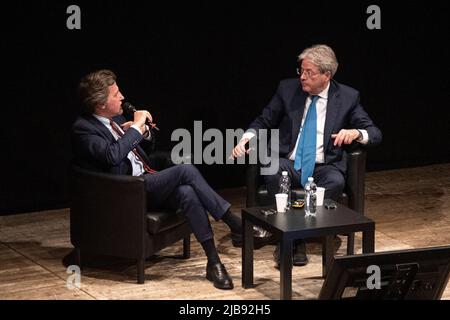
<point x="284" y="173"/>
<point x="310" y="179"/>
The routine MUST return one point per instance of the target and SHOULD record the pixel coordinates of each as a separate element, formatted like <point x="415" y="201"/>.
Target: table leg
<point x="286" y="269"/>
<point x="351" y="244"/>
<point x="368" y="241"/>
<point x="247" y="254"/>
<point x="327" y="254"/>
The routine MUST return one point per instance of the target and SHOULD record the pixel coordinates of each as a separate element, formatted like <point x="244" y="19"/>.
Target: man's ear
<point x="98" y="109"/>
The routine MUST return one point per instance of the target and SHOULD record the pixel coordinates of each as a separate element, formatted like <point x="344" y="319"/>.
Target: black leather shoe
<point x="218" y="275"/>
<point x="261" y="237"/>
<point x="299" y="257"/>
<point x="236" y="239"/>
<point x="276" y="255"/>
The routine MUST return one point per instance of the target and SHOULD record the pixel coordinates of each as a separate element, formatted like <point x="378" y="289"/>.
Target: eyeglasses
<point x="308" y="72"/>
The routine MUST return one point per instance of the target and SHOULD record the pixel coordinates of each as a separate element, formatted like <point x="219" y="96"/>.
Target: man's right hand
<point x="240" y="150"/>
<point x="140" y="118"/>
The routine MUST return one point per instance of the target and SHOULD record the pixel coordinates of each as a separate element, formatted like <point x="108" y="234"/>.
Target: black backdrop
<point x="219" y="62"/>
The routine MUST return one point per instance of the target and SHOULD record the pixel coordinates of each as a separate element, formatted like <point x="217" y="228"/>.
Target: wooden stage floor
<point x="411" y="208"/>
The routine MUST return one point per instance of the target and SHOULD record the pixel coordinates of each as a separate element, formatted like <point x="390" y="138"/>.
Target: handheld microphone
<point x="130" y="109"/>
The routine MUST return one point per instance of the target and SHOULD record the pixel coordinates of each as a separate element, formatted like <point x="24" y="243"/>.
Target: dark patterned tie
<point x="116" y="129"/>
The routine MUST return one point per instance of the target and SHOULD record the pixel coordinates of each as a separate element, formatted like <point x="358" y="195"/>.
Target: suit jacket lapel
<point x="298" y="108"/>
<point x="104" y="130"/>
<point x="332" y="111"/>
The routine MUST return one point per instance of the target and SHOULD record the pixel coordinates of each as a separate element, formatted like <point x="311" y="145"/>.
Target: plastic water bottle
<point x="310" y="200"/>
<point x="285" y="187"/>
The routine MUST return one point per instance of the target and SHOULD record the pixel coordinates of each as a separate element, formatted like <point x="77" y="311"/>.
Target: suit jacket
<point x="95" y="148"/>
<point x="285" y="112"/>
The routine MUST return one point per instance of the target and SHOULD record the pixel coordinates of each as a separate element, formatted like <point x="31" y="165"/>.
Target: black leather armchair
<point x="109" y="216"/>
<point x="353" y="195"/>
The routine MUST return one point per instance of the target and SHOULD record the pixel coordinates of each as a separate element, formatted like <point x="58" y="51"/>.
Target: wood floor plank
<point x="411" y="208"/>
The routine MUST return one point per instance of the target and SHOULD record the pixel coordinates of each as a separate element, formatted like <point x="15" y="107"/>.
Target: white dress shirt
<point x="321" y="107"/>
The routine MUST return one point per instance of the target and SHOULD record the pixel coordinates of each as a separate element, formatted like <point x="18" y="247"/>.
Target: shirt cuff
<point x="248" y="135"/>
<point x="136" y="128"/>
<point x="365" y="137"/>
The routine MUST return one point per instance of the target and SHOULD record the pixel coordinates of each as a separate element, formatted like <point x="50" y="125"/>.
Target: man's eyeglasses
<point x="308" y="72"/>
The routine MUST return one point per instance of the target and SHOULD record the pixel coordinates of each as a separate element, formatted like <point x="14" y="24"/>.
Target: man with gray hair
<point x="314" y="120"/>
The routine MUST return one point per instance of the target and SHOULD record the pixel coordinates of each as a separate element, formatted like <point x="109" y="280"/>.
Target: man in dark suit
<point x="315" y="116"/>
<point x="103" y="141"/>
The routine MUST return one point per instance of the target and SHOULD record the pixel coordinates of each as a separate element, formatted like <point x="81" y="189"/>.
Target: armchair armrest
<point x="355" y="184"/>
<point x="107" y="213"/>
<point x="159" y="160"/>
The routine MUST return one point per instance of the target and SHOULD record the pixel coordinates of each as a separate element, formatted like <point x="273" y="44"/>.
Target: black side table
<point x="294" y="225"/>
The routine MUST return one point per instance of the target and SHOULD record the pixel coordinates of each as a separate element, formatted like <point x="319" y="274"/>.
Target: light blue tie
<point x="305" y="157"/>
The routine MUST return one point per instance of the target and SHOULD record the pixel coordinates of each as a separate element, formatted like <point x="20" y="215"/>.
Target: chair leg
<point x="187" y="247"/>
<point x="350" y="244"/>
<point x="78" y="258"/>
<point x="140" y="271"/>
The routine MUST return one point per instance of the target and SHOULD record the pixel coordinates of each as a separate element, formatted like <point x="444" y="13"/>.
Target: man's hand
<point x="125" y="126"/>
<point x="239" y="150"/>
<point x="345" y="137"/>
<point x="140" y="117"/>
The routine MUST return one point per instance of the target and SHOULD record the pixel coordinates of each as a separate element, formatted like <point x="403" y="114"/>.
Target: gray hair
<point x="322" y="56"/>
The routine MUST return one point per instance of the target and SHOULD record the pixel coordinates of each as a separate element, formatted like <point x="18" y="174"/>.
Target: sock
<point x="234" y="222"/>
<point x="211" y="252"/>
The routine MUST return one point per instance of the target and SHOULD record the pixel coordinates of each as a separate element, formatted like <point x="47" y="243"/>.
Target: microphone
<point x="130" y="109"/>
